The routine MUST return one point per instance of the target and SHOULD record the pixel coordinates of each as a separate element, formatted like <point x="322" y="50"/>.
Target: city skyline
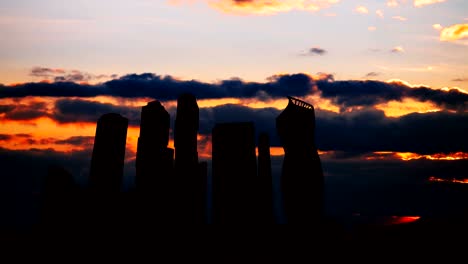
<point x="388" y="81"/>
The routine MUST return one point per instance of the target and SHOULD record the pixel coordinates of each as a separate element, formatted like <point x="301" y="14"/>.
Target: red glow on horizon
<point x="397" y="220"/>
<point x="408" y="156"/>
<point x="452" y="180"/>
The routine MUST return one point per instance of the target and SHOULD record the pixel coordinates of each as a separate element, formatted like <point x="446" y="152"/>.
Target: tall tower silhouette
<point x="154" y="160"/>
<point x="154" y="166"/>
<point x="302" y="177"/>
<point x="234" y="174"/>
<point x="185" y="134"/>
<point x="190" y="181"/>
<point x="108" y="156"/>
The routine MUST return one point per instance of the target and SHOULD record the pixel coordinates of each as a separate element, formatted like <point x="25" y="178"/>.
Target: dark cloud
<point x="318" y="51"/>
<point x="62" y="75"/>
<point x="5" y="137"/>
<point x="77" y="141"/>
<point x="371" y="130"/>
<point x="372" y="74"/>
<point x="45" y="72"/>
<point x="29" y="111"/>
<point x="314" y="51"/>
<point x="70" y="111"/>
<point x="343" y="93"/>
<point x="359" y="131"/>
<point x="460" y="80"/>
<point x="6" y="108"/>
<point x="368" y="93"/>
<point x="167" y="88"/>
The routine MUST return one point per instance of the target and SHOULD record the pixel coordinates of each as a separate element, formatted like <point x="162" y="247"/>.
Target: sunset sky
<point x="388" y="79"/>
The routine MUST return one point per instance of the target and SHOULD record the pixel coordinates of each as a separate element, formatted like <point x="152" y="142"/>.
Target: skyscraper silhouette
<point x="108" y="156"/>
<point x="190" y="192"/>
<point x="302" y="177"/>
<point x="234" y="164"/>
<point x="154" y="160"/>
<point x="154" y="165"/>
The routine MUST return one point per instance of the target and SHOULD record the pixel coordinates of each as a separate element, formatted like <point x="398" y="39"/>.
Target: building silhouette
<point x="190" y="191"/>
<point x="154" y="160"/>
<point x="234" y="166"/>
<point x="265" y="185"/>
<point x="108" y="156"/>
<point x="302" y="177"/>
<point x="154" y="164"/>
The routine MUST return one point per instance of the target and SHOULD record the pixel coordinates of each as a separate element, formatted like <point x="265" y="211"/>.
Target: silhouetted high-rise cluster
<point x="169" y="190"/>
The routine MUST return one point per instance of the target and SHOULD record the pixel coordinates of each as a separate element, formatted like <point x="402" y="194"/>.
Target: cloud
<point x="268" y="7"/>
<point x="348" y="94"/>
<point x="460" y="80"/>
<point x="167" y="88"/>
<point x="44" y="72"/>
<point x="29" y="111"/>
<point x="75" y="110"/>
<point x="5" y="137"/>
<point x="343" y="93"/>
<point x="372" y="28"/>
<point x="62" y="75"/>
<point x="77" y="141"/>
<point x="392" y="3"/>
<point x="364" y="130"/>
<point x="437" y="26"/>
<point x="380" y="13"/>
<point x="372" y="74"/>
<point x="399" y="18"/>
<point x="369" y="129"/>
<point x="361" y="10"/>
<point x="421" y="3"/>
<point x="397" y="49"/>
<point x="314" y="51"/>
<point x="454" y="33"/>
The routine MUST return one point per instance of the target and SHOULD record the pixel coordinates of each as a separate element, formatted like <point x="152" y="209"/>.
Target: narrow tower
<point x="108" y="156"/>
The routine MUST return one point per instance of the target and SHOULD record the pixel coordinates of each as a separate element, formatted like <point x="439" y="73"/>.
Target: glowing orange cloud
<point x="454" y="32"/>
<point x="420" y="3"/>
<point x="392" y="3"/>
<point x="406" y="156"/>
<point x="268" y="7"/>
<point x="406" y="106"/>
<point x="453" y="180"/>
<point x="361" y="10"/>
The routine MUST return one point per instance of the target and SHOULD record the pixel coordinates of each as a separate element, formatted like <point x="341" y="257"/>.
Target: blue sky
<point x="194" y="40"/>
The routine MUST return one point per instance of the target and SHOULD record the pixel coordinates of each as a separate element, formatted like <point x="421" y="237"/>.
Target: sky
<point x="388" y="79"/>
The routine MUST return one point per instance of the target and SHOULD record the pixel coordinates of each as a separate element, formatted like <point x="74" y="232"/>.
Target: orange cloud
<point x="437" y="27"/>
<point x="420" y="3"/>
<point x="268" y="7"/>
<point x="399" y="18"/>
<point x="452" y="180"/>
<point x="379" y="13"/>
<point x="392" y="3"/>
<point x="361" y="10"/>
<point x="406" y="106"/>
<point x="454" y="32"/>
<point x="398" y="49"/>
